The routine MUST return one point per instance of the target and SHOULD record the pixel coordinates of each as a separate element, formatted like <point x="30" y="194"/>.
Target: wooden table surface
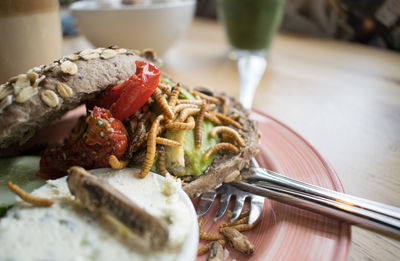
<point x="343" y="98"/>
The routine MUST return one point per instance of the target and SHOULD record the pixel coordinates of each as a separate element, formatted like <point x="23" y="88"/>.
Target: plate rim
<point x="343" y="243"/>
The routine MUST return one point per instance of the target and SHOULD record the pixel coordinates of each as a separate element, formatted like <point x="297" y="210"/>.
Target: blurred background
<point x="370" y="22"/>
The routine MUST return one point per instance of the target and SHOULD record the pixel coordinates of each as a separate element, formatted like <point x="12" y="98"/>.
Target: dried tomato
<point x="104" y="136"/>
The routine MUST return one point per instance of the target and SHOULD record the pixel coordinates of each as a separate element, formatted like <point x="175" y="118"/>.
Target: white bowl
<point x="157" y="26"/>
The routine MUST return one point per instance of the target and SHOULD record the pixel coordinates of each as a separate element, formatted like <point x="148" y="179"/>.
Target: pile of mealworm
<point x="180" y="114"/>
<point x="232" y="233"/>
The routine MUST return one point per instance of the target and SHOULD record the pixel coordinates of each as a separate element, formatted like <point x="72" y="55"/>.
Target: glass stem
<point x="251" y="67"/>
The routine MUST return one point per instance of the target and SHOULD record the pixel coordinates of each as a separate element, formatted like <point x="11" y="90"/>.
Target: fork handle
<point x="358" y="211"/>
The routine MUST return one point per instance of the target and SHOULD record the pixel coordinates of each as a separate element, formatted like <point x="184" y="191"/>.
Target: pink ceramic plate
<point x="285" y="232"/>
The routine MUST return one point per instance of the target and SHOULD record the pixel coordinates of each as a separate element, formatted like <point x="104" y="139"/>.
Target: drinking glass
<point x="250" y="26"/>
<point x="30" y="35"/>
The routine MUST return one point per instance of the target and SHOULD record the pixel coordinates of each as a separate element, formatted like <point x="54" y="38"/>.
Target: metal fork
<point x="366" y="213"/>
<point x="226" y="192"/>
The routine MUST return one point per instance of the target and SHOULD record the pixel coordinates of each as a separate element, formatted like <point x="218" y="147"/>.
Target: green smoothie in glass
<point x="251" y="24"/>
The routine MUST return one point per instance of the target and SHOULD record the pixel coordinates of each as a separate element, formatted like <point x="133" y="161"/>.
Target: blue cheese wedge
<point x="68" y="231"/>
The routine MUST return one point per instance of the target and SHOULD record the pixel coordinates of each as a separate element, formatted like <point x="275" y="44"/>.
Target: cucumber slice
<point x="21" y="171"/>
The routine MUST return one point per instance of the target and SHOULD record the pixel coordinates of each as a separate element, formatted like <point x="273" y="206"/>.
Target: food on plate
<point x="204" y="249"/>
<point x="216" y="252"/>
<point x="33" y="99"/>
<point x="19" y="170"/>
<point x="136" y="116"/>
<point x="36" y="201"/>
<point x="97" y="195"/>
<point x="237" y="240"/>
<point x="68" y="230"/>
<point x="231" y="231"/>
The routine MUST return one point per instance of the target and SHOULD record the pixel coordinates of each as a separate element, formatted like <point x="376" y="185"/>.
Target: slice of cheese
<point x="67" y="231"/>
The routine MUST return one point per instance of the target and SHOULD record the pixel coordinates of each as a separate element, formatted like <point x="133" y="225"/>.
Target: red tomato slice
<point x="136" y="90"/>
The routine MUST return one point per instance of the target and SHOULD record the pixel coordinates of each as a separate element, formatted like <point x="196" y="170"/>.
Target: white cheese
<point x="67" y="231"/>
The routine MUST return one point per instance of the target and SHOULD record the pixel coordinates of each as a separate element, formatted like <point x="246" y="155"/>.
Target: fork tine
<point x="239" y="202"/>
<point x="254" y="163"/>
<point x="223" y="204"/>
<point x="206" y="202"/>
<point x="256" y="208"/>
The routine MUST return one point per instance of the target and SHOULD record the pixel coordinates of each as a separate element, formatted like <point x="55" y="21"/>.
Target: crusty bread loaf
<point x="32" y="100"/>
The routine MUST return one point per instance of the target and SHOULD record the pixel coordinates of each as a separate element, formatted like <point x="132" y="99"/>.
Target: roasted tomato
<point x="104" y="136"/>
<point x="125" y="99"/>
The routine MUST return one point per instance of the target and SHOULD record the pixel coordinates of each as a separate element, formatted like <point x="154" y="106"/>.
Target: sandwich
<point x="136" y="117"/>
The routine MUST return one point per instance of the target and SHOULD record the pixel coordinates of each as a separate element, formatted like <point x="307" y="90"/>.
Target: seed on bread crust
<point x="25" y="94"/>
<point x="13" y="79"/>
<point x="64" y="90"/>
<point x="121" y="51"/>
<point x="72" y="57"/>
<point x="5" y="90"/>
<point x="38" y="81"/>
<point x="21" y="82"/>
<point x="32" y="76"/>
<point x="69" y="67"/>
<point x="89" y="54"/>
<point x="50" y="67"/>
<point x="49" y="98"/>
<point x="37" y="69"/>
<point x="108" y="54"/>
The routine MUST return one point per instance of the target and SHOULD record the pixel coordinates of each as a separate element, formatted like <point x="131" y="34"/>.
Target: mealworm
<point x="186" y="113"/>
<point x="239" y="221"/>
<point x="211" y="117"/>
<point x="225" y="104"/>
<point x="34" y="200"/>
<point x="199" y="126"/>
<point x="245" y="227"/>
<point x="174" y="95"/>
<point x="211" y="107"/>
<point x="167" y="142"/>
<point x="228" y="120"/>
<point x="195" y="102"/>
<point x="151" y="147"/>
<point x="227" y="138"/>
<point x="234" y="116"/>
<point x="200" y="220"/>
<point x="242" y="215"/>
<point x="117" y="164"/>
<point x="208" y="236"/>
<point x="206" y="97"/>
<point x="160" y="98"/>
<point x="189" y="125"/>
<point x="242" y="227"/>
<point x="221" y="146"/>
<point x="181" y="107"/>
<point x="165" y="88"/>
<point x="231" y="132"/>
<point x="202" y="250"/>
<point x="161" y="162"/>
